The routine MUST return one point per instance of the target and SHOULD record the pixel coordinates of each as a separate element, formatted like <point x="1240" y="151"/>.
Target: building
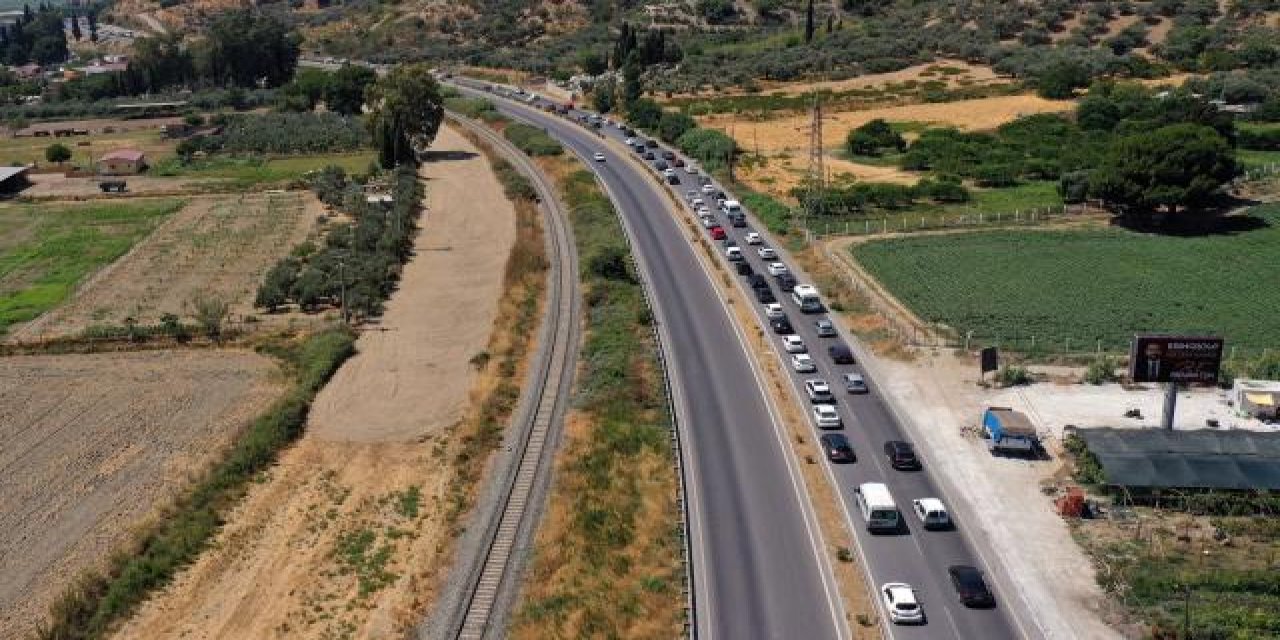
<point x="13" y="180"/>
<point x="1257" y="398"/>
<point x="122" y="162"/>
<point x="1153" y="461"/>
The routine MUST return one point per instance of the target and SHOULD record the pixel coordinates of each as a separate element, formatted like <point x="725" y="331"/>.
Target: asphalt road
<point x="700" y="328"/>
<point x="757" y="570"/>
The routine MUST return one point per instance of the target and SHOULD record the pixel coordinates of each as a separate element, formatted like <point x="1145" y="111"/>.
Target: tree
<point x="275" y="288"/>
<point x="405" y="110"/>
<point x="57" y="152"/>
<point x="644" y="114"/>
<point x="246" y="47"/>
<point x="75" y="27"/>
<point x="210" y="312"/>
<point x="632" y="89"/>
<point x="1177" y="166"/>
<point x="592" y="63"/>
<point x="305" y="90"/>
<point x="1059" y="80"/>
<point x="603" y="98"/>
<point x="93" y="26"/>
<point x="673" y="124"/>
<point x="808" y="23"/>
<point x="346" y="89"/>
<point x="873" y="137"/>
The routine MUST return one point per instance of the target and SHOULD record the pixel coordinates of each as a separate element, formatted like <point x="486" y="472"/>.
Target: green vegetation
<point x="257" y="170"/>
<point x="532" y="140"/>
<point x="97" y="601"/>
<point x="406" y="111"/>
<point x="357" y="266"/>
<point x="47" y="250"/>
<point x="342" y="91"/>
<point x="1087" y="286"/>
<point x="359" y="554"/>
<point x="477" y="108"/>
<point x="616" y="485"/>
<point x="281" y="133"/>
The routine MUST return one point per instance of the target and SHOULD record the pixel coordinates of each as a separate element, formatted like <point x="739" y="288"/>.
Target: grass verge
<point x="258" y="170"/>
<point x="98" y="600"/>
<point x="607" y="556"/>
<point x="47" y="250"/>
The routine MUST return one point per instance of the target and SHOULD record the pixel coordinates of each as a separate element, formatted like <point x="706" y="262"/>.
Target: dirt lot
<point x="57" y="185"/>
<point x="92" y="443"/>
<point x="346" y="537"/>
<point x="957" y="72"/>
<point x="217" y="245"/>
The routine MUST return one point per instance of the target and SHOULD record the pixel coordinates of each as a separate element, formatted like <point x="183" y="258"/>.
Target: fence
<point x="928" y="222"/>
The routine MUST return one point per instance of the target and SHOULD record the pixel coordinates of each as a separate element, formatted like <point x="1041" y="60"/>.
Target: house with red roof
<point x="122" y="162"/>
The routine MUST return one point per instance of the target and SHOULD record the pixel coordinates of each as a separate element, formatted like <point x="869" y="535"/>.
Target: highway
<point x="740" y="470"/>
<point x="756" y="567"/>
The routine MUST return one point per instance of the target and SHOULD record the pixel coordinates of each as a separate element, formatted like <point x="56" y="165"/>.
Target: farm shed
<point x="1147" y="459"/>
<point x="122" y="162"/>
<point x="1257" y="398"/>
<point x="13" y="179"/>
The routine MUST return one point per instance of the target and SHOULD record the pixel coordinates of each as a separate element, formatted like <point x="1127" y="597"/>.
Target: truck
<point x="1009" y="431"/>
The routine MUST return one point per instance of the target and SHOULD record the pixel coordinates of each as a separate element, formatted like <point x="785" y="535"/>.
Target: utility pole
<point x="816" y="176"/>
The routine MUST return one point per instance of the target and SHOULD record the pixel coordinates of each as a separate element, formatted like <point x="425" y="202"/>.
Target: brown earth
<point x="93" y="443"/>
<point x="217" y="245"/>
<point x="970" y="74"/>
<point x="347" y="535"/>
<point x="54" y="186"/>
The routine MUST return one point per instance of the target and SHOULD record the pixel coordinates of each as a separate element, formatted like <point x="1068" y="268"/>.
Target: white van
<point x="877" y="506"/>
<point x="806" y="297"/>
<point x="731" y="207"/>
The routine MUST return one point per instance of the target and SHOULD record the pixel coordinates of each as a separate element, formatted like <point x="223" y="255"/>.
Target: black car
<point x="744" y="269"/>
<point x="840" y="353"/>
<point x="970" y="586"/>
<point x="758" y="282"/>
<point x="637" y="147"/>
<point x="673" y="179"/>
<point x="781" y="326"/>
<point x="837" y="447"/>
<point x="648" y="155"/>
<point x="901" y="455"/>
<point x="786" y="281"/>
<point x="668" y="155"/>
<point x="629" y="132"/>
<point x="765" y="296"/>
<point x="651" y="143"/>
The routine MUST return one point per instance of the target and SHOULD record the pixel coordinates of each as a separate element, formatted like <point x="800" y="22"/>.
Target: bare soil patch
<point x="348" y="535"/>
<point x="217" y="245"/>
<point x="57" y="185"/>
<point x="93" y="443"/>
<point x="952" y="72"/>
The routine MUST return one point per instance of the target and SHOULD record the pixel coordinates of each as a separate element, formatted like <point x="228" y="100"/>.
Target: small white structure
<point x="1257" y="398"/>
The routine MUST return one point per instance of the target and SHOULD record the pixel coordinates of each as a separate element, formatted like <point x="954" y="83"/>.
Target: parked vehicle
<point x="877" y="507"/>
<point x="648" y="155"/>
<point x="901" y="455"/>
<point x="1009" y="431"/>
<point x="932" y="513"/>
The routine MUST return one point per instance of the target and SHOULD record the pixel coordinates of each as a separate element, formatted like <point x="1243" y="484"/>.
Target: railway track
<point x="489" y="585"/>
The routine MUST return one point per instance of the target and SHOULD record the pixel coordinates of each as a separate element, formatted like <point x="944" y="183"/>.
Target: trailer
<point x="1009" y="431"/>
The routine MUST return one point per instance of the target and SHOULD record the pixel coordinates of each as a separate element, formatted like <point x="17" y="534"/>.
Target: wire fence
<point x="905" y="223"/>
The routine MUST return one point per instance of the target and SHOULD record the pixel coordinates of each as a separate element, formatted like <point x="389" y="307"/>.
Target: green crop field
<point x="45" y="251"/>
<point x="1090" y="285"/>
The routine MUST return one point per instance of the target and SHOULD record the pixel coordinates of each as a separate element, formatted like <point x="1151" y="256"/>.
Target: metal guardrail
<point x="499" y="563"/>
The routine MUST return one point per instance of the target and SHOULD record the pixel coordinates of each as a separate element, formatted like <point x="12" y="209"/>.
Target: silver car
<point x="854" y="383"/>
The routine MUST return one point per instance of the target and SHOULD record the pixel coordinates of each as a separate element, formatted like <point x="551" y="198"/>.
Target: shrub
<point x="532" y="140"/>
<point x="1101" y="371"/>
<point x="1013" y="376"/>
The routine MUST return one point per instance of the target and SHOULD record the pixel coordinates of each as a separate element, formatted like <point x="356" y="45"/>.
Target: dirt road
<point x="347" y="536"/>
<point x="89" y="444"/>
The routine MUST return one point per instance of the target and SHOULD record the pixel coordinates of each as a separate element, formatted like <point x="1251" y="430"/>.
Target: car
<point x="786" y="281"/>
<point x="765" y="296"/>
<point x="781" y="326"/>
<point x="717" y="232"/>
<point x="629" y="142"/>
<point x="767" y="253"/>
<point x="840" y="353"/>
<point x="744" y="268"/>
<point x="826" y="416"/>
<point x="673" y="179"/>
<point x="803" y="363"/>
<point x="708" y="189"/>
<point x="665" y="172"/>
<point x="774" y="310"/>
<point x="900" y="601"/>
<point x="668" y="155"/>
<point x="825" y="327"/>
<point x="599" y="157"/>
<point x="734" y="254"/>
<point x="752" y="238"/>
<point x="901" y="455"/>
<point x="651" y="143"/>
<point x="691" y="169"/>
<point x="708" y="222"/>
<point x="970" y="586"/>
<point x="677" y="162"/>
<point x="648" y="155"/>
<point x="818" y="391"/>
<point x="854" y="383"/>
<point x="662" y="166"/>
<point x="777" y="268"/>
<point x="690" y="196"/>
<point x="757" y="282"/>
<point x="737" y="219"/>
<point x="793" y="344"/>
<point x="704" y="211"/>
<point x="932" y="513"/>
<point x="837" y="447"/>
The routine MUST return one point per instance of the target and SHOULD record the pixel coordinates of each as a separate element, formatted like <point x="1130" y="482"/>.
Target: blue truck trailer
<point x="1009" y="431"/>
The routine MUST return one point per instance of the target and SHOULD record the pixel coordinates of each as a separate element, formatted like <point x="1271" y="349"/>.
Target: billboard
<point x="1183" y="359"/>
<point x="990" y="359"/>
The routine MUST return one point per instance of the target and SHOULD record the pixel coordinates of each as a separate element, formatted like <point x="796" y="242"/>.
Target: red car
<point x="717" y="232"/>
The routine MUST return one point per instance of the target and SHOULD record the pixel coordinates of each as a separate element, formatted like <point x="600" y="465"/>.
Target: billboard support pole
<point x="1170" y="401"/>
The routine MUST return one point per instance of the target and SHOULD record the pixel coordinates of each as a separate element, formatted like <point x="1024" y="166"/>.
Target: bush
<point x="282" y="133"/>
<point x="710" y="147"/>
<point x="1101" y="371"/>
<point x="1013" y="376"/>
<point x="532" y="140"/>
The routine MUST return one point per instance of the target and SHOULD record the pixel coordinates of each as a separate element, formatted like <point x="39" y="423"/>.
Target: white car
<point x="931" y="512"/>
<point x="767" y="253"/>
<point x="704" y="211"/>
<point x="900" y="600"/>
<point x="690" y="196"/>
<point x="691" y="169"/>
<point x="753" y="238"/>
<point x="773" y="310"/>
<point x="792" y="343"/>
<point x="734" y="254"/>
<point x="667" y="173"/>
<point x="599" y="157"/>
<point x="803" y="363"/>
<point x="777" y="268"/>
<point x="818" y="390"/>
<point x="708" y="189"/>
<point x="826" y="416"/>
<point x="698" y="203"/>
<point x="630" y="142"/>
<point x="708" y="222"/>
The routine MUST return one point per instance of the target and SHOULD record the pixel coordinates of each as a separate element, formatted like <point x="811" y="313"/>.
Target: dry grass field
<point x="216" y="245"/>
<point x="93" y="443"/>
<point x="85" y="149"/>
<point x="952" y="72"/>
